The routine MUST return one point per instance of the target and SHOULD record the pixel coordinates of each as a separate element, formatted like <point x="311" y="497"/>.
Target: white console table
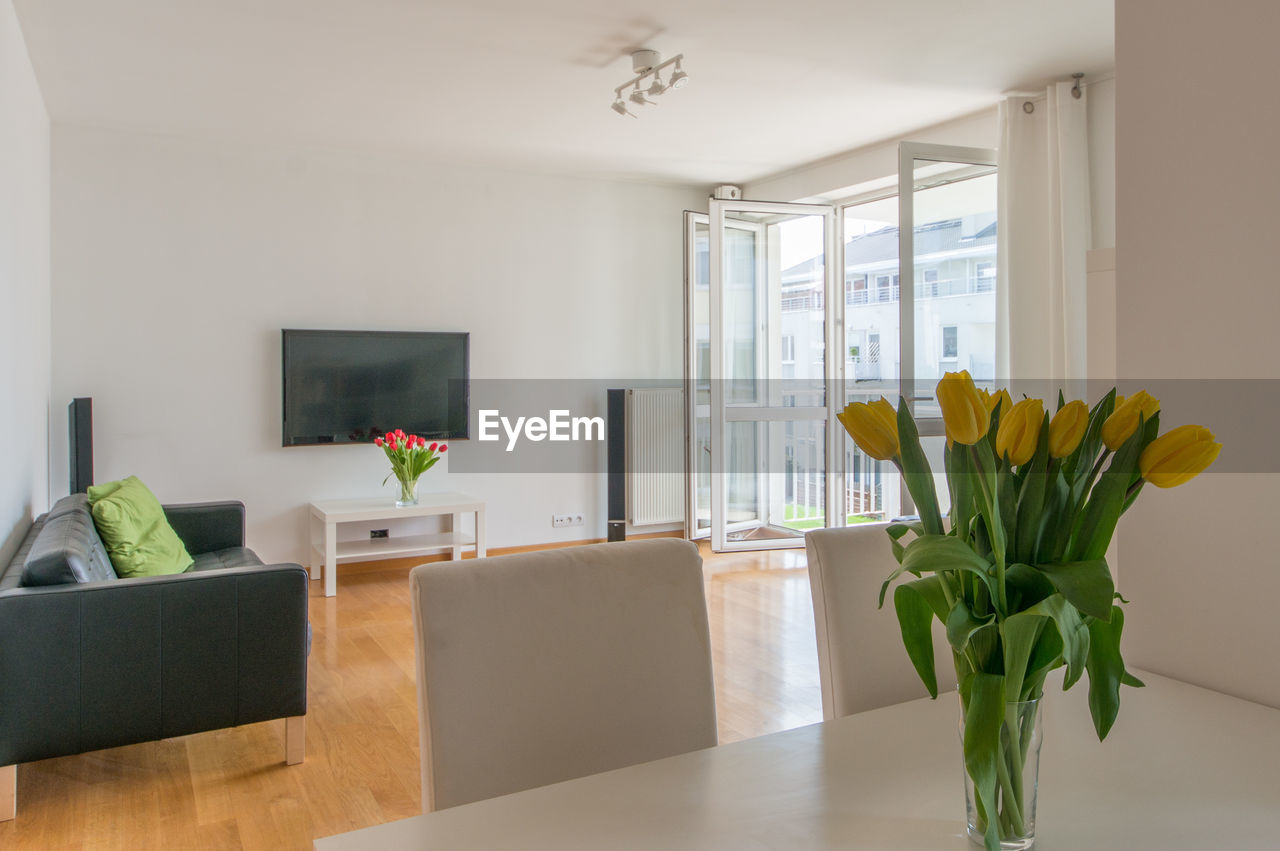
<point x="326" y="516"/>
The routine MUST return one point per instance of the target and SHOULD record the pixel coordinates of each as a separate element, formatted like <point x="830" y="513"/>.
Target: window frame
<point x="955" y="341"/>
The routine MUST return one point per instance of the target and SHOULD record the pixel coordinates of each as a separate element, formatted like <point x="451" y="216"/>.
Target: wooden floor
<point x="231" y="788"/>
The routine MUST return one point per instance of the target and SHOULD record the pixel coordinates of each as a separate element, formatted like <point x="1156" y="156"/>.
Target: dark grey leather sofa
<point x="90" y="661"/>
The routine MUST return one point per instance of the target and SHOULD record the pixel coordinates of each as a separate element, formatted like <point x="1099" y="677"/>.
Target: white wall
<point x="24" y="288"/>
<point x="828" y="178"/>
<point x="1196" y="197"/>
<point x="177" y="262"/>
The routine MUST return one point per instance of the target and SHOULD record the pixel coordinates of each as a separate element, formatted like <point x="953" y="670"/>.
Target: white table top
<point x="347" y="510"/>
<point x="1184" y="768"/>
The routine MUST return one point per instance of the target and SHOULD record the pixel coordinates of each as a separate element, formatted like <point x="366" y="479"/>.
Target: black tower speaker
<point x="80" y="432"/>
<point x="617" y="488"/>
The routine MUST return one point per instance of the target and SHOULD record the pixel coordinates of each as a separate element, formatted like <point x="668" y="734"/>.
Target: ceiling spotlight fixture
<point x="648" y="64"/>
<point x="679" y="79"/>
<point x="638" y="97"/>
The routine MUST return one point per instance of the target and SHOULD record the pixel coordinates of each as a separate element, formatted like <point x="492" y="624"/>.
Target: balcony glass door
<point x="771" y="288"/>
<point x="948" y="253"/>
<point x="795" y="309"/>
<point x="697" y="375"/>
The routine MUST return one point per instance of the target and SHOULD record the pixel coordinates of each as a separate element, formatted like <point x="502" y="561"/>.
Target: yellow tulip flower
<point x="964" y="412"/>
<point x="873" y="426"/>
<point x="1067" y="428"/>
<point x="1019" y="431"/>
<point x="993" y="399"/>
<point x="1178" y="456"/>
<point x="1123" y="422"/>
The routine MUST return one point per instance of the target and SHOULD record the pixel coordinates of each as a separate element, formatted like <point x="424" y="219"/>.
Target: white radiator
<point x="655" y="456"/>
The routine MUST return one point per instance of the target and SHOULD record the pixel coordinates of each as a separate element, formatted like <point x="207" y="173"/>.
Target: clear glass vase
<point x="408" y="493"/>
<point x="1017" y="772"/>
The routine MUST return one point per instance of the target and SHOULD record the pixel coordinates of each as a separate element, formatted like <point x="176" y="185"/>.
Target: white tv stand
<point x="328" y="551"/>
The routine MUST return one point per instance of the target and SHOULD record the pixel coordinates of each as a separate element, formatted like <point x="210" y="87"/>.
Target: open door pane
<point x="871" y="347"/>
<point x="698" y="373"/>
<point x="776" y="481"/>
<point x="770" y="391"/>
<point x="955" y="275"/>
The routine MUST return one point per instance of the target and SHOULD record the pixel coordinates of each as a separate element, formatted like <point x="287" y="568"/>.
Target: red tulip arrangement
<point x="410" y="457"/>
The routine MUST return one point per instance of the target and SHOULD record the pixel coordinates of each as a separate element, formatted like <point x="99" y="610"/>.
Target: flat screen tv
<point x="351" y="386"/>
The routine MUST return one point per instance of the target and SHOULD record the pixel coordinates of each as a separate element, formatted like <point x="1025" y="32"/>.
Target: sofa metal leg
<point x="295" y="739"/>
<point x="8" y="792"/>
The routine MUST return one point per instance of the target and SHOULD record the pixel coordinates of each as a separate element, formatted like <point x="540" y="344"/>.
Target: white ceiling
<point x="772" y="84"/>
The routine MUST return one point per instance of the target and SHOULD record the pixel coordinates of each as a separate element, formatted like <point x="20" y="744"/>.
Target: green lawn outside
<point x="820" y="522"/>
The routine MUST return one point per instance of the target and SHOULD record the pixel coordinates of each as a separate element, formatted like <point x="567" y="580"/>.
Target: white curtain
<point x="1045" y="234"/>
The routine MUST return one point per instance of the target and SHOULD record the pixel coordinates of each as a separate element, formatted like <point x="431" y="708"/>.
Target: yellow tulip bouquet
<point x="1017" y="575"/>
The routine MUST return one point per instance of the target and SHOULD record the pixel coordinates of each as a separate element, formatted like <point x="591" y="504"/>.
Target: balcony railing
<point x="875" y="295"/>
<point x="975" y="285"/>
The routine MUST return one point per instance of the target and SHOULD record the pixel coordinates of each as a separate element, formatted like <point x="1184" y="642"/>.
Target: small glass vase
<point x="408" y="493"/>
<point x="1018" y="769"/>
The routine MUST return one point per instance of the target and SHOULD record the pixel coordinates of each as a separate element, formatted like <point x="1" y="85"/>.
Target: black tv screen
<point x="351" y="386"/>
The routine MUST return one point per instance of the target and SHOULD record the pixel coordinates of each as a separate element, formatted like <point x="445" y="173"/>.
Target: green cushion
<point x="134" y="530"/>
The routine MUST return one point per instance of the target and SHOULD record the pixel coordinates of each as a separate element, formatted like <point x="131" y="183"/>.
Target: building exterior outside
<point x="955" y="275"/>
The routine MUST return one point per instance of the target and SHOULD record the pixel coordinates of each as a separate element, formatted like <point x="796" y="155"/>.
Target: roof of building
<point x="882" y="245"/>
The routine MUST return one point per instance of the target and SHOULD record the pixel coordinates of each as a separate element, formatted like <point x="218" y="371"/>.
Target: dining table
<point x="1184" y="767"/>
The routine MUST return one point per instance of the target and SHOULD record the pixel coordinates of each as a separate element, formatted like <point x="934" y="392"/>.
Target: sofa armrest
<point x="207" y="526"/>
<point x="82" y="666"/>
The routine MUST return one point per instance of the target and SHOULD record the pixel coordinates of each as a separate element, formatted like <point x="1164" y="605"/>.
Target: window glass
<point x="949" y="342"/>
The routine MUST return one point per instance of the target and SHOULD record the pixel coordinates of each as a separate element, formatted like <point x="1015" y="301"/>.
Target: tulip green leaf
<point x="1027" y="586"/>
<point x="935" y="553"/>
<point x="983" y="718"/>
<point x="884" y="586"/>
<point x="942" y="552"/>
<point x="1045" y="656"/>
<point x="1097" y="523"/>
<point x="962" y="624"/>
<point x="1106" y="671"/>
<point x="988" y="474"/>
<point x="1020" y="634"/>
<point x="960" y="480"/>
<point x="1031" y="500"/>
<point x="896" y="531"/>
<point x="1057" y="519"/>
<point x="1078" y="463"/>
<point x="930" y="588"/>
<point x="916" y="472"/>
<point x="1072" y="631"/>
<point x="1007" y="502"/>
<point x="915" y="619"/>
<point x="948" y="467"/>
<point x="1087" y="585"/>
<point x="984" y="649"/>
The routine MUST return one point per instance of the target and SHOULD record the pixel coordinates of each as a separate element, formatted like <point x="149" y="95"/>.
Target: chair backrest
<point x="546" y="666"/>
<point x="862" y="663"/>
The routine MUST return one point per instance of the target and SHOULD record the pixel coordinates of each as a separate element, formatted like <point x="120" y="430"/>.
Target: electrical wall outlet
<point x="378" y="533"/>
<point x="561" y="520"/>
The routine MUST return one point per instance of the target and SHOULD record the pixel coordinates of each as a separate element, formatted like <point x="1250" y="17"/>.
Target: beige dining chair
<point x="546" y="666"/>
<point x="862" y="663"/>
